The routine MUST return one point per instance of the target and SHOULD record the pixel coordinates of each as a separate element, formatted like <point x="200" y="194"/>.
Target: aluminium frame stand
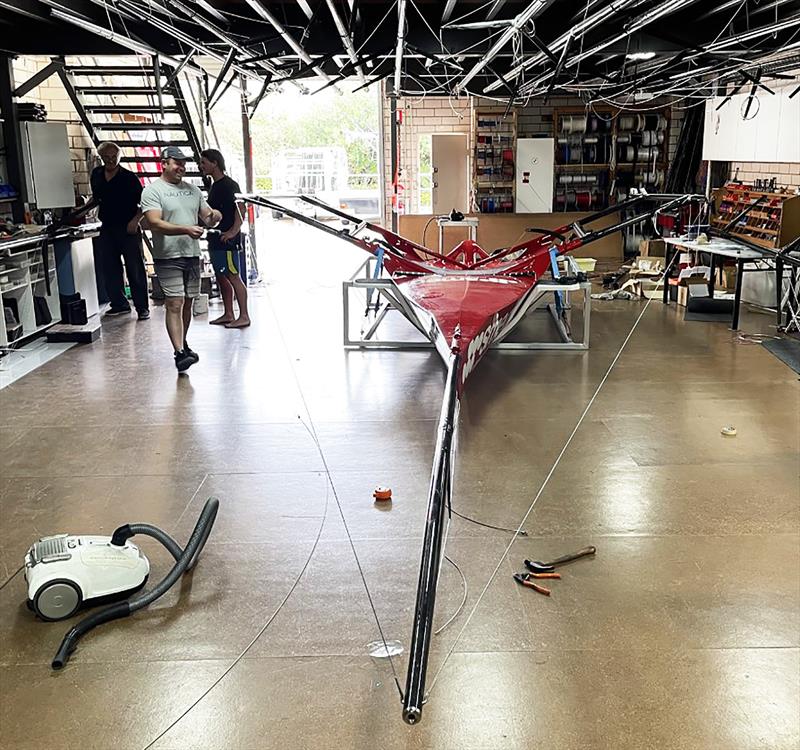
<point x="364" y="278"/>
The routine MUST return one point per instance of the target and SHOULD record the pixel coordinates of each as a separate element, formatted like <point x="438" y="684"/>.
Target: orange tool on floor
<point x="525" y="580"/>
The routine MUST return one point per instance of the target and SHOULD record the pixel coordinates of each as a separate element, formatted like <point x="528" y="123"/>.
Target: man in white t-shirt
<point x="173" y="209"/>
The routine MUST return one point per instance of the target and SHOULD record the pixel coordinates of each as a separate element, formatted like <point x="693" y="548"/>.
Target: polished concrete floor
<point x="683" y="632"/>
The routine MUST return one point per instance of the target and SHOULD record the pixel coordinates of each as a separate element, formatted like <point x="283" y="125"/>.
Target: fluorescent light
<point x="641" y="55"/>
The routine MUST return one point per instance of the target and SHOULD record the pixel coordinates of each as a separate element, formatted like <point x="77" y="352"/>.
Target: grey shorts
<point x="178" y="277"/>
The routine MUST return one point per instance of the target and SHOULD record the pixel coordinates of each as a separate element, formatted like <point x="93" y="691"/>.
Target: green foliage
<point x="292" y="120"/>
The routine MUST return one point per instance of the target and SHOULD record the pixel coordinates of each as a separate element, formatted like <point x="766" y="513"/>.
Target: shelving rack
<point x="602" y="154"/>
<point x="774" y="223"/>
<point x="494" y="145"/>
<point x="583" y="154"/>
<point x="21" y="280"/>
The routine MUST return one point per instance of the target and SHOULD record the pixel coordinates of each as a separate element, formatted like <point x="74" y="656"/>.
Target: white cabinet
<point x="48" y="167"/>
<point x="534" y="169"/>
<point x="21" y="281"/>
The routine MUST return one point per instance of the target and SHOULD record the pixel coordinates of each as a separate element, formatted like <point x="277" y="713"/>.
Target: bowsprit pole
<point x="433" y="543"/>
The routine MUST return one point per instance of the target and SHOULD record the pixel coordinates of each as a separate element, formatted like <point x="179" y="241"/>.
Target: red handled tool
<point x="525" y="579"/>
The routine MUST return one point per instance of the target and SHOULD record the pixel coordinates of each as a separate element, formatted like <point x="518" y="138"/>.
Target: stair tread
<point x="139" y="126"/>
<point x="110" y="109"/>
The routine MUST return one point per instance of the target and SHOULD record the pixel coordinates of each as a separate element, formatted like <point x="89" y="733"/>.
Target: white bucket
<point x="200" y="304"/>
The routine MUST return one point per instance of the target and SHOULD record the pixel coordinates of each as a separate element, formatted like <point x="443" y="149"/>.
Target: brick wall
<point x="441" y="114"/>
<point x="787" y="173"/>
<point x="59" y="109"/>
<point x="421" y="116"/>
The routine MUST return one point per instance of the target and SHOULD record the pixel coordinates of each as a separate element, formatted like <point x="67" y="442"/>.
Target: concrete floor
<point x="683" y="632"/>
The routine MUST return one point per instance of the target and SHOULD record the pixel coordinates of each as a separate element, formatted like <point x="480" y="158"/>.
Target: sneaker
<point x="191" y="353"/>
<point x="118" y="311"/>
<point x="144" y="314"/>
<point x="183" y="361"/>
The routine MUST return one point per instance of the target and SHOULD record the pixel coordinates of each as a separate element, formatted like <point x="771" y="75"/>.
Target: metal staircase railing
<point x="150" y="111"/>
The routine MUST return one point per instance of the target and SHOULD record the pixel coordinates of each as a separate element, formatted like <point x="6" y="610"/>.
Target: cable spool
<point x="624" y="138"/>
<point x="583" y="200"/>
<point x="646" y="153"/>
<point x="651" y="177"/>
<point x="626" y="153"/>
<point x="626" y="122"/>
<point x="655" y="122"/>
<point x="575" y="154"/>
<point x="570" y="199"/>
<point x="572" y="124"/>
<point x="591" y="154"/>
<point x="652" y="137"/>
<point x="561" y="200"/>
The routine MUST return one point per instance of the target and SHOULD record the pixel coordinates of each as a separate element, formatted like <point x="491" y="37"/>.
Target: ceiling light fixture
<point x="640" y="55"/>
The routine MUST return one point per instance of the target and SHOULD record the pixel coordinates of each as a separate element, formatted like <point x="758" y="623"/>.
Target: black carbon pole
<point x="432" y="548"/>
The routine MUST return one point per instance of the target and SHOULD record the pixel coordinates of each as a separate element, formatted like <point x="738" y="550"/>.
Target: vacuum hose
<point x="185" y="560"/>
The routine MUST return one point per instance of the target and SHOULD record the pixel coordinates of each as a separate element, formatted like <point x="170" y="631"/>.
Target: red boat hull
<point x="475" y="311"/>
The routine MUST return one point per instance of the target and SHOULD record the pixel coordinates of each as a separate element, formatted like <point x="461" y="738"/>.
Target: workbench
<point x="716" y="248"/>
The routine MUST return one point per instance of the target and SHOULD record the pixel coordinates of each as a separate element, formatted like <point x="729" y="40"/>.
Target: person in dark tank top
<point x="224" y="247"/>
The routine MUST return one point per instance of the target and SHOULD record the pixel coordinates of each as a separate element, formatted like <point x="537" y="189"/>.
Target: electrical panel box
<point x="47" y="164"/>
<point x="534" y="191"/>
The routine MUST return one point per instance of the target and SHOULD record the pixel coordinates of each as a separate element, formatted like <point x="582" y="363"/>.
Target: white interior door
<point x="449" y="163"/>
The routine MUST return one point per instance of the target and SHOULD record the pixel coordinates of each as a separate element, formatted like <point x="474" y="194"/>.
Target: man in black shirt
<point x="118" y="191"/>
<point x="224" y="247"/>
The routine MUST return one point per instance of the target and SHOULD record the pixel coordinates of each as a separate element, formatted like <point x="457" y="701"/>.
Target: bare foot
<point x="221" y="320"/>
<point x="238" y="323"/>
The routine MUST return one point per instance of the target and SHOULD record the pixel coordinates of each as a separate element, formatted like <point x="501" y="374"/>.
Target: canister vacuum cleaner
<point x="65" y="573"/>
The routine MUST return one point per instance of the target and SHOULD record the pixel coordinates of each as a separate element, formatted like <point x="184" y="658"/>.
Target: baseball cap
<point x="173" y="152"/>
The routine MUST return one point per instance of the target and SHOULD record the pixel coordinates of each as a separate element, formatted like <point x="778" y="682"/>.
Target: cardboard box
<point x="650" y="289"/>
<point x="647" y="266"/>
<point x="653" y="248"/>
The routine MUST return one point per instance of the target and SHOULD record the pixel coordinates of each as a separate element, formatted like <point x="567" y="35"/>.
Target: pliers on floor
<point x="526" y="579"/>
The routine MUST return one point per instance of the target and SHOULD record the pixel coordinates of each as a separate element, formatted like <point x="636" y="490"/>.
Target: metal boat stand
<point x="543" y="297"/>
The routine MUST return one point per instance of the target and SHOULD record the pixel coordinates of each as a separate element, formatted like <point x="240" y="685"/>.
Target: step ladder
<point x="140" y="108"/>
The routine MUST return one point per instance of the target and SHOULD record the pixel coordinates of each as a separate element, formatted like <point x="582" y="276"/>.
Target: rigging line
<point x="487" y="525"/>
<point x="380" y="23"/>
<point x="547" y="478"/>
<point x="312" y="430"/>
<point x="692" y="93"/>
<point x="472" y="12"/>
<point x="466" y="590"/>
<point x="16" y="573"/>
<point x="425" y="20"/>
<point x="667" y="62"/>
<point x="258" y="635"/>
<point x="723" y="72"/>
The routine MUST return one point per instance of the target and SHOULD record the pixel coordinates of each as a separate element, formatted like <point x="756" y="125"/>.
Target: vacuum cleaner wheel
<point x="57" y="600"/>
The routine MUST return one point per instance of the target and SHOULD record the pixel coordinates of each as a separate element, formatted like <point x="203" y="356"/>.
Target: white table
<point x="716" y="246"/>
<point x="471" y="222"/>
